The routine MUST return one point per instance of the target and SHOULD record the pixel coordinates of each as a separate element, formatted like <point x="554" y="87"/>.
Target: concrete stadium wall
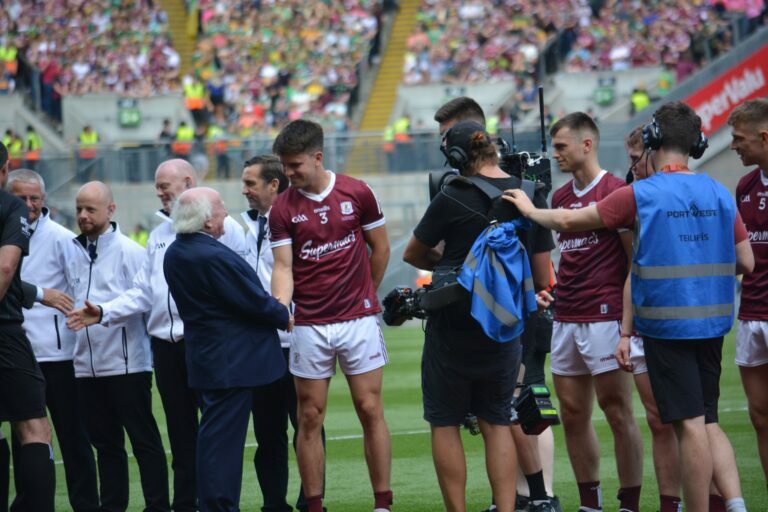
<point x="15" y="115"/>
<point x="101" y="112"/>
<point x="421" y="101"/>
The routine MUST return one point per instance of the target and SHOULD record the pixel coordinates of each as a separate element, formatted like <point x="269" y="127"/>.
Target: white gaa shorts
<point x="637" y="355"/>
<point x="752" y="343"/>
<point x="358" y="344"/>
<point x="584" y="348"/>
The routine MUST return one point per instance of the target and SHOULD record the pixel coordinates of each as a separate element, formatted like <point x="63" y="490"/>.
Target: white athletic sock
<point x="381" y="510"/>
<point x="735" y="505"/>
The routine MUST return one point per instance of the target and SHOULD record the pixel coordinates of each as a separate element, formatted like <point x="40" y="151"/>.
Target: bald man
<point x="149" y="294"/>
<point x="113" y="365"/>
<point x="233" y="346"/>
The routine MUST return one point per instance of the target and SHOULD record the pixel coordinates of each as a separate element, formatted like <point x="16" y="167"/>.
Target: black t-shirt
<point x="457" y="215"/>
<point x="14" y="230"/>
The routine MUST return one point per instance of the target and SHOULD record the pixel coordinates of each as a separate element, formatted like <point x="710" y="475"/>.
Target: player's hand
<point x="622" y="354"/>
<point x="57" y="299"/>
<point x="519" y="199"/>
<point x="291" y="322"/>
<point x="83" y="317"/>
<point x="544" y="299"/>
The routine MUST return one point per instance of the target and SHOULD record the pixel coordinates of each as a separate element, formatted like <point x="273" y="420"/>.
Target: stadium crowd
<point x="91" y="47"/>
<point x="264" y="64"/>
<point x="484" y="41"/>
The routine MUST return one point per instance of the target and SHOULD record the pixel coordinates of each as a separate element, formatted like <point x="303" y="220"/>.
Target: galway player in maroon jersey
<point x="593" y="268"/>
<point x="322" y="228"/>
<point x="749" y="128"/>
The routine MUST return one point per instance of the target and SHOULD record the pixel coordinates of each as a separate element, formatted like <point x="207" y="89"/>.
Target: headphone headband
<point x="653" y="137"/>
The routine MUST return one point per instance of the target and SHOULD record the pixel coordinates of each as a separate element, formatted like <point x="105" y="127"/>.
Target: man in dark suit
<point x="232" y="344"/>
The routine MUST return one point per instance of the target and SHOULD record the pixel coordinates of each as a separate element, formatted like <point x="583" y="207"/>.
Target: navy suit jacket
<point x="229" y="320"/>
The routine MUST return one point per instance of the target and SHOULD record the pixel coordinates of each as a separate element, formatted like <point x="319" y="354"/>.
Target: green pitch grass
<point x="413" y="477"/>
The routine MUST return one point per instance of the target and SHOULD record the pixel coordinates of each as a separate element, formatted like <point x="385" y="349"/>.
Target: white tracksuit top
<point x="149" y="291"/>
<point x="262" y="262"/>
<point x="121" y="348"/>
<point x="45" y="266"/>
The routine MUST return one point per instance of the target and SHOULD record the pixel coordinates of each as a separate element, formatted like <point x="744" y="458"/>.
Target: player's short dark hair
<point x="3" y="155"/>
<point x="680" y="126"/>
<point x="635" y="137"/>
<point x="462" y="108"/>
<point x="297" y="137"/>
<point x="753" y="113"/>
<point x="577" y="122"/>
<point x="271" y="169"/>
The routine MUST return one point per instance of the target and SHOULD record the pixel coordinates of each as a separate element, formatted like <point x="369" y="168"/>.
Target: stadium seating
<point x="270" y="64"/>
<point x="96" y="46"/>
<point x="483" y="40"/>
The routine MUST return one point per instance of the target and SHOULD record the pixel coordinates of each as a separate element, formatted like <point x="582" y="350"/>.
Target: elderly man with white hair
<point x="232" y="344"/>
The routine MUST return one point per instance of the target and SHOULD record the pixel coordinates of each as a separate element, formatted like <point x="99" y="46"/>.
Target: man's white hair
<point x="25" y="176"/>
<point x="191" y="211"/>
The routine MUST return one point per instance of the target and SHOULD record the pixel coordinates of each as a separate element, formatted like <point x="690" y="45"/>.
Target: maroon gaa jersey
<point x="752" y="202"/>
<point x="331" y="270"/>
<point x="593" y="264"/>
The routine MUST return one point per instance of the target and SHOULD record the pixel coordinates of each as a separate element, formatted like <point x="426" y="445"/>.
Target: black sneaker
<point x="522" y="503"/>
<point x="543" y="506"/>
<point x="555" y="501"/>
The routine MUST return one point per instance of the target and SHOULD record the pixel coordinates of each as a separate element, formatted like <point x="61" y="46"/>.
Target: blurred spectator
<point x="92" y="46"/>
<point x="487" y="40"/>
<point x="639" y="99"/>
<point x="267" y="63"/>
<point x="32" y="145"/>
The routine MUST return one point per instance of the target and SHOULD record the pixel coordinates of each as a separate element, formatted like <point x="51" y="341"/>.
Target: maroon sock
<point x="669" y="503"/>
<point x="716" y="503"/>
<point x="382" y="499"/>
<point x="589" y="495"/>
<point x="629" y="498"/>
<point x="315" y="503"/>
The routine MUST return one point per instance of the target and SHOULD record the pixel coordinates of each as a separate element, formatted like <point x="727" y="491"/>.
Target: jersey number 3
<point x="323" y="217"/>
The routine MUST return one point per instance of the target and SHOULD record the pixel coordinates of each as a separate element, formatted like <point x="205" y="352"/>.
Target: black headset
<point x="653" y="136"/>
<point x="456" y="156"/>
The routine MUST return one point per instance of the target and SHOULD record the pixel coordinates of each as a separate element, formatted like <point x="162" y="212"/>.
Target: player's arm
<point x="745" y="258"/>
<point x="561" y="219"/>
<point x="627" y="326"/>
<point x="9" y="261"/>
<point x="282" y="274"/>
<point x="378" y="241"/>
<point x="540" y="262"/>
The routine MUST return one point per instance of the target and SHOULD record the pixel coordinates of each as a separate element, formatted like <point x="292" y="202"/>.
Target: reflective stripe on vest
<point x="684" y="312"/>
<point x="683" y="272"/>
<point x="680" y="271"/>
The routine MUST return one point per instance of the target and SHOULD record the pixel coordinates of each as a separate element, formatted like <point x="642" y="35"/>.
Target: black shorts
<point x="685" y="377"/>
<point x="455" y="381"/>
<point x="22" y="385"/>
<point x="537" y="340"/>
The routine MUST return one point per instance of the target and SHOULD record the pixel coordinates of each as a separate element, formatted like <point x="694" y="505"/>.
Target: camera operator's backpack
<point x="448" y="290"/>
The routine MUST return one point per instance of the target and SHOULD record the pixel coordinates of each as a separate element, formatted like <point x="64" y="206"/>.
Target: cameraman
<point x="535" y="453"/>
<point x="462" y="369"/>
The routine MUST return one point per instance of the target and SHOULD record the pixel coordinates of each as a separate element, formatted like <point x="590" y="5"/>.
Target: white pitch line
<point x="350" y="437"/>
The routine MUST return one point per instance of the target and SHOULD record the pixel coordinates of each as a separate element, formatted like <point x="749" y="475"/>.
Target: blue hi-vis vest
<point x="683" y="271"/>
<point x="498" y="275"/>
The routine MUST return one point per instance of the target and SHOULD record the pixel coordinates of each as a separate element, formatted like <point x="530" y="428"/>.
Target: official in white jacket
<point x="113" y="365"/>
<point x="149" y="294"/>
<point x="263" y="179"/>
<point x="53" y="343"/>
